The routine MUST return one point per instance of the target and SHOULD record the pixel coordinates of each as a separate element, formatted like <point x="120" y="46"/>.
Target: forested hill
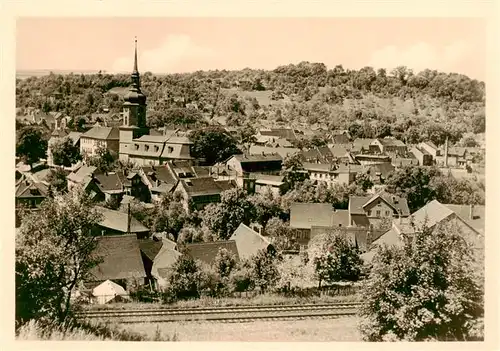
<point x="368" y="102"/>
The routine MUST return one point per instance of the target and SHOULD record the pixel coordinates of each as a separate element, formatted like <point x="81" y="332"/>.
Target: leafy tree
<point x="413" y="183"/>
<point x="293" y="170"/>
<point x="104" y="160"/>
<point x="57" y="180"/>
<point x="267" y="205"/>
<point x="223" y="218"/>
<point x="31" y="145"/>
<point x="242" y="278"/>
<point x="363" y="181"/>
<point x="264" y="270"/>
<point x="335" y="258"/>
<point x="224" y="263"/>
<point x="183" y="281"/>
<point x="213" y="145"/>
<point x="65" y="153"/>
<point x="281" y="234"/>
<point x="54" y="253"/>
<point x="426" y="289"/>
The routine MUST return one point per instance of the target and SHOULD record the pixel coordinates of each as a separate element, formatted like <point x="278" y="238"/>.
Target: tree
<point x="65" y="152"/>
<point x="267" y="205"/>
<point x="426" y="289"/>
<point x="413" y="183"/>
<point x="224" y="263"/>
<point x="213" y="145"/>
<point x="293" y="171"/>
<point x="281" y="234"/>
<point x="183" y="281"/>
<point x="31" y="145"/>
<point x="335" y="258"/>
<point x="57" y="180"/>
<point x="54" y="253"/>
<point x="104" y="160"/>
<point x="223" y="218"/>
<point x="264" y="270"/>
<point x="363" y="181"/>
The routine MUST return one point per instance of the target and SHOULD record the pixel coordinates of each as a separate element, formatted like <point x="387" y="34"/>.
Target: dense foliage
<point x="65" y="152"/>
<point x="213" y="145"/>
<point x="53" y="255"/>
<point x="427" y="289"/>
<point x="31" y="145"/>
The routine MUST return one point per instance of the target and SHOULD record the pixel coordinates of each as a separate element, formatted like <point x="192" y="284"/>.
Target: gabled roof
<point x="338" y="151"/>
<point x="206" y="252"/>
<point x="248" y="241"/>
<point x="285" y="133"/>
<point x="30" y="189"/>
<point x="464" y="212"/>
<point x="257" y="158"/>
<point x="390" y="142"/>
<point x="103" y="133"/>
<point x="284" y="152"/>
<point x="121" y="258"/>
<point x="109" y="182"/>
<point x="82" y="174"/>
<point x="306" y="215"/>
<point x="358" y="203"/>
<point x="204" y="186"/>
<point x="75" y="137"/>
<point x="117" y="289"/>
<point x="117" y="220"/>
<point x="362" y="142"/>
<point x="150" y="248"/>
<point x="163" y="261"/>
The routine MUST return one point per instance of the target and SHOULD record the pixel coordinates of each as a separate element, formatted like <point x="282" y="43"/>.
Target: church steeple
<point x="135" y="100"/>
<point x="135" y="72"/>
<point x="135" y="58"/>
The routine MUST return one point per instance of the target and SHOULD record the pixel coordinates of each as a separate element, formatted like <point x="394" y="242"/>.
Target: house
<point x="156" y="149"/>
<point x="432" y="215"/>
<point x="244" y="165"/>
<point x="158" y="179"/>
<point x="199" y="192"/>
<point x="249" y="242"/>
<point x="265" y="182"/>
<point x="120" y="261"/>
<point x="99" y="137"/>
<point x="319" y="155"/>
<point x="369" y="159"/>
<point x="162" y="264"/>
<point x="374" y="210"/>
<point x="359" y="237"/>
<point x="456" y="157"/>
<point x="108" y="292"/>
<point x="207" y="252"/>
<point x="118" y="222"/>
<point x="341" y="137"/>
<point x="422" y="155"/>
<point x="304" y="216"/>
<point x="473" y="215"/>
<point x="277" y="133"/>
<point x="30" y="194"/>
<point x="284" y="152"/>
<point x="331" y="174"/>
<point x="385" y="145"/>
<point x="80" y="176"/>
<point x="360" y="145"/>
<point x="431" y="148"/>
<point x="116" y="184"/>
<point x="149" y="250"/>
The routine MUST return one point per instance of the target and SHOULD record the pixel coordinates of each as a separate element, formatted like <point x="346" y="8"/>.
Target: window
<point x="369" y="213"/>
<point x="387" y="213"/>
<point x="170" y="149"/>
<point x="378" y="213"/>
<point x="156" y="148"/>
<point x="146" y="147"/>
<point x="136" y="146"/>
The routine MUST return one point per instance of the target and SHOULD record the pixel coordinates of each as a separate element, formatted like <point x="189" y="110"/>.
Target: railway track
<point x="224" y="314"/>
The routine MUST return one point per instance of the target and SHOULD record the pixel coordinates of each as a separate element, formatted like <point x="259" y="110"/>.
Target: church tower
<point x="134" y="112"/>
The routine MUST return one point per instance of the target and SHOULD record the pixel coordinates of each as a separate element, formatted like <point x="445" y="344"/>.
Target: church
<point x="135" y="143"/>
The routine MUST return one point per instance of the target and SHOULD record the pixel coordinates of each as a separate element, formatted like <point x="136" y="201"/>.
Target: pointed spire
<point x="135" y="58"/>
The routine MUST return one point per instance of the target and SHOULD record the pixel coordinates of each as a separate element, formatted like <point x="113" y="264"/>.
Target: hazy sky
<point x="169" y="45"/>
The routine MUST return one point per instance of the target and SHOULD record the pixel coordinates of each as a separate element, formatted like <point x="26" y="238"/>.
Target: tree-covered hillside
<point x="369" y="103"/>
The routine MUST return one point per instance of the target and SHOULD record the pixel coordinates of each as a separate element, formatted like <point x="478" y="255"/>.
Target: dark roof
<point x="150" y="248"/>
<point x="121" y="258"/>
<point x="103" y="133"/>
<point x="117" y="220"/>
<point x="205" y="186"/>
<point x="356" y="203"/>
<point x="108" y="182"/>
<point x="383" y="168"/>
<point x="258" y="158"/>
<point x="284" y="133"/>
<point x="248" y="241"/>
<point x="267" y="150"/>
<point x="30" y="189"/>
<point x="206" y="252"/>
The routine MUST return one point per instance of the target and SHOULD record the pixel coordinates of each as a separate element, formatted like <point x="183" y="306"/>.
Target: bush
<point x="427" y="289"/>
<point x="241" y="279"/>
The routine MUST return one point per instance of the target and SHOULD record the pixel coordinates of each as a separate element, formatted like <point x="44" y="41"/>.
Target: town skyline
<point x="182" y="45"/>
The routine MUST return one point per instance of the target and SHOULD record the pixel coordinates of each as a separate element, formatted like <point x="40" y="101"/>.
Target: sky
<point x="177" y="45"/>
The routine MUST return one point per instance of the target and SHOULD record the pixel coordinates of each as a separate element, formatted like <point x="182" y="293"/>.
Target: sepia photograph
<point x="267" y="179"/>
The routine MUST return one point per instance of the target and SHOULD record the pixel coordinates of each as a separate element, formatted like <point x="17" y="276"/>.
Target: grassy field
<point x="325" y="330"/>
<point x="226" y="302"/>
